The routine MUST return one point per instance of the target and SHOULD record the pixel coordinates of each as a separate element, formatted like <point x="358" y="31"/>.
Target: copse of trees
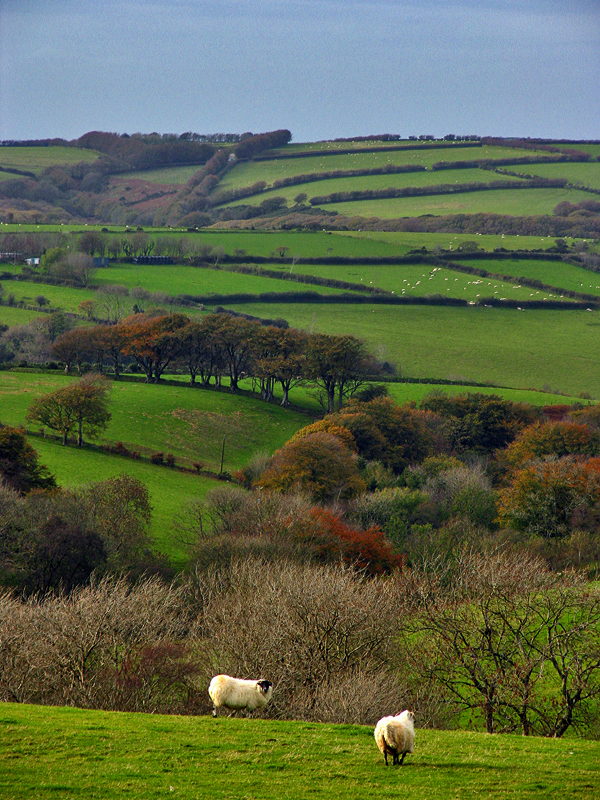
<point x="221" y="345"/>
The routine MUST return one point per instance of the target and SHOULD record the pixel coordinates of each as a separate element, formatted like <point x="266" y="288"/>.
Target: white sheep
<point x="396" y="735"/>
<point x="236" y="694"/>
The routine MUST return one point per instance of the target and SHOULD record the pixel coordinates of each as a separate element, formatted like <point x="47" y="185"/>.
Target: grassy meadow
<point x="521" y="202"/>
<point x="37" y="159"/>
<point x="378" y="182"/>
<point x="529" y="349"/>
<point x="169" y="489"/>
<point x="66" y="752"/>
<point x="190" y="423"/>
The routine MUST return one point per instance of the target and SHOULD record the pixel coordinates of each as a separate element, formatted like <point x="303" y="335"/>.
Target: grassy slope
<point x="37" y="159"/>
<point x="585" y="174"/>
<point x="364" y="182"/>
<point x="420" y="279"/>
<point x="189" y="280"/>
<point x="522" y="202"/>
<point x="190" y="423"/>
<point x="169" y="489"/>
<point x="67" y="752"/>
<point x="553" y="273"/>
<point x="247" y="173"/>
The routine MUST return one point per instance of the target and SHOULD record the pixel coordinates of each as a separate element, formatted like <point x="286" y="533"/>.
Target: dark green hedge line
<point x="492" y="163"/>
<point x="446" y="188"/>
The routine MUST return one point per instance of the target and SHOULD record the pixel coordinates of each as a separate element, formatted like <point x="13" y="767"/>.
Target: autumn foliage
<point x="319" y="465"/>
<point x="330" y="537"/>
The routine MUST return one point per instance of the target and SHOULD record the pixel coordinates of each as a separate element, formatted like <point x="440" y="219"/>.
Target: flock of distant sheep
<point x="394" y="735"/>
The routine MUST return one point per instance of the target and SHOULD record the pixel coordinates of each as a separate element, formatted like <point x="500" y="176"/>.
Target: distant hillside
<point x="472" y="185"/>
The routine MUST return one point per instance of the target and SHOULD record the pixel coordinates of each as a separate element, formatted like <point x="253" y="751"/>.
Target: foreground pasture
<point x="67" y="752"/>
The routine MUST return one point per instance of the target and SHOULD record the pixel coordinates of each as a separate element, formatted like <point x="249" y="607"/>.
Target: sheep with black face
<point x="236" y="694"/>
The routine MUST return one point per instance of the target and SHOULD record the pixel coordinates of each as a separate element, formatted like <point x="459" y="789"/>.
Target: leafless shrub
<point x="321" y="634"/>
<point x="106" y="645"/>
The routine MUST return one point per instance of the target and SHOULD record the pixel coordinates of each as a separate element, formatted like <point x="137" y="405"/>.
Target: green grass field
<point x="37" y="159"/>
<point x="420" y="280"/>
<point x="375" y="182"/>
<point x="177" y="279"/>
<point x="190" y="423"/>
<point x="416" y="392"/>
<point x="552" y="273"/>
<point x="522" y="202"/>
<point x="65" y="298"/>
<point x="67" y="752"/>
<point x="169" y="489"/>
<point x="247" y="173"/>
<point x="520" y="349"/>
<point x="11" y="315"/>
<point x="587" y="174"/>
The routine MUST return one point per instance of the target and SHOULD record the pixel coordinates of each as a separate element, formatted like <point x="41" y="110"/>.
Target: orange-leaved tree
<point x="319" y="465"/>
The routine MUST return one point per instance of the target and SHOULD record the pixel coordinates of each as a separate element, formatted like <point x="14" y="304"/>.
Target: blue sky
<point x="322" y="68"/>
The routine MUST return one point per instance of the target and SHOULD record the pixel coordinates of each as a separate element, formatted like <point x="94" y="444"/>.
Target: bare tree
<point x="509" y="639"/>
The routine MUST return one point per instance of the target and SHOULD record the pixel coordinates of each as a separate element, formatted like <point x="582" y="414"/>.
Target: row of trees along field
<point x="220" y="345"/>
<point x="434" y="547"/>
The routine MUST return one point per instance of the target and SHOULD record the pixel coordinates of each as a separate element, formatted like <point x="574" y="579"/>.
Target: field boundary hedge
<point x="276" y="155"/>
<point x="440" y="189"/>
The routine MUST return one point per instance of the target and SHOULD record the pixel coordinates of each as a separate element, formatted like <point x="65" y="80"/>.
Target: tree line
<point x="223" y="345"/>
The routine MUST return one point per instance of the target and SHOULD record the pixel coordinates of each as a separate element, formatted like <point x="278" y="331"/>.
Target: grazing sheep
<point x="236" y="694"/>
<point x="396" y="735"/>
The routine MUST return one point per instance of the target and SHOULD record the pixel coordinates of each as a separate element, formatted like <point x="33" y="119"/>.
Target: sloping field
<point x="524" y="202"/>
<point x="176" y="279"/>
<point x="37" y="159"/>
<point x="378" y="182"/>
<point x="169" y="489"/>
<point x="552" y="273"/>
<point x="247" y="173"/>
<point x="587" y="174"/>
<point x="190" y="423"/>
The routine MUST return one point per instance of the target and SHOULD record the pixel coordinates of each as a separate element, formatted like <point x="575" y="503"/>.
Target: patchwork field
<point x="519" y="351"/>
